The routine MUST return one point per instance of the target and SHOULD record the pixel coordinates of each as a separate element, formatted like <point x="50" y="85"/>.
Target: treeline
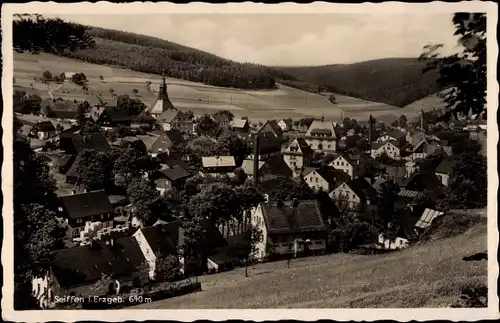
<point x="35" y="34"/>
<point x="394" y="81"/>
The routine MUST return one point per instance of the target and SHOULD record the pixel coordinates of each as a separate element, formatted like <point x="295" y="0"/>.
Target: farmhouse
<point x="220" y="119"/>
<point x="393" y="135"/>
<point x="78" y="209"/>
<point x="43" y="130"/>
<point x="394" y="149"/>
<point x="218" y="165"/>
<point x="293" y="228"/>
<point x="427" y="146"/>
<point x="444" y="169"/>
<point x="170" y="178"/>
<point x="76" y="143"/>
<point x="110" y="116"/>
<point x="298" y="155"/>
<point x="345" y="163"/>
<point x="175" y="119"/>
<point x="321" y="136"/>
<point x="272" y="126"/>
<point x="354" y="194"/>
<point x="240" y="126"/>
<point x="323" y="179"/>
<point x="166" y="141"/>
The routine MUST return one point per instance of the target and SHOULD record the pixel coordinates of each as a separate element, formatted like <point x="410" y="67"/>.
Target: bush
<point x="352" y="236"/>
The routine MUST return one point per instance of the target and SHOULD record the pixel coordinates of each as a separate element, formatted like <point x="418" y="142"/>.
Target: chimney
<point x="256" y="149"/>
<point x="370" y="121"/>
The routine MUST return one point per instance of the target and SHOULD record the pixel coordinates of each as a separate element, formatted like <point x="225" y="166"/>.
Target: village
<point x="149" y="195"/>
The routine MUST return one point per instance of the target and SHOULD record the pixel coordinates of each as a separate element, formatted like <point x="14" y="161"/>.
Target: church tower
<point x="162" y="103"/>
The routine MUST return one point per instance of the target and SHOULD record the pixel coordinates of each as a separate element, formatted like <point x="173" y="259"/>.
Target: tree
<point x="431" y="161"/>
<point x="189" y="115"/>
<point x="36" y="232"/>
<point x="111" y="91"/>
<point x="167" y="268"/>
<point x="306" y="122"/>
<point x="101" y="78"/>
<point x="229" y="144"/>
<point x="206" y="126"/>
<point x="465" y="72"/>
<point x="227" y="113"/>
<point x="62" y="77"/>
<point x="133" y="106"/>
<point x="247" y="247"/>
<point x="468" y="182"/>
<point x="89" y="127"/>
<point x="403" y="121"/>
<point x="239" y="176"/>
<point x="217" y="202"/>
<point x="47" y="76"/>
<point x="148" y="86"/>
<point x="386" y="204"/>
<point x="92" y="170"/>
<point x="131" y="163"/>
<point x="79" y="79"/>
<point x="135" y="91"/>
<point x="287" y="190"/>
<point x="147" y="203"/>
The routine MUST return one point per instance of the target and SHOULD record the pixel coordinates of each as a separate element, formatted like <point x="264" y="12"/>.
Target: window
<point x="316" y="179"/>
<point x="338" y="163"/>
<point x="102" y="216"/>
<point x="354" y="196"/>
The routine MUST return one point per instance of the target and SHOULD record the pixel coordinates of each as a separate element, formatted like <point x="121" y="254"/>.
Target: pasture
<point x="427" y="275"/>
<point x="258" y="105"/>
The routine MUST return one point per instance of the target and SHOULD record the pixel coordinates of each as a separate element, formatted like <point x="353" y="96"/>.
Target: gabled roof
<point x="86" y="264"/>
<point x="271" y="126"/>
<point x="162" y="238"/>
<point x="423" y="181"/>
<point x="148" y="140"/>
<point x="320" y="127"/>
<point x="218" y="161"/>
<point x="167" y="140"/>
<point x="87" y="204"/>
<point x="329" y="174"/>
<point x="218" y="118"/>
<point x="445" y="167"/>
<point x="275" y="165"/>
<point x="44" y="126"/>
<point x="161" y="105"/>
<point x="171" y="162"/>
<point x="175" y="173"/>
<point x="118" y="115"/>
<point x="396" y="134"/>
<point x="305" y="217"/>
<point x="239" y="123"/>
<point x="299" y="146"/>
<point x="170" y="115"/>
<point x="362" y="188"/>
<point x="95" y="141"/>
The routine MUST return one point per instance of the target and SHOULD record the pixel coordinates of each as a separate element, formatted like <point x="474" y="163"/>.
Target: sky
<point x="291" y="39"/>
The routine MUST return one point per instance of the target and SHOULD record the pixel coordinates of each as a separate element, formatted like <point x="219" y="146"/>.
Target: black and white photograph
<point x="277" y="157"/>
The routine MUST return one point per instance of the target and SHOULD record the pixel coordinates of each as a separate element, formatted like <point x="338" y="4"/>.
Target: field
<point x="257" y="105"/>
<point x="427" y="275"/>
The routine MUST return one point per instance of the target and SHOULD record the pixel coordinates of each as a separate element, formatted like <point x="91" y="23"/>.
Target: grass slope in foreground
<point x="394" y="81"/>
<point x="427" y="275"/>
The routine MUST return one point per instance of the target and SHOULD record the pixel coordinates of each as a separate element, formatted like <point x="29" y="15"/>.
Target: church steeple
<point x="162" y="93"/>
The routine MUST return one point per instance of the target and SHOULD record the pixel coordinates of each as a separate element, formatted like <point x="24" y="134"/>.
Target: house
<point x="175" y="119"/>
<point x="149" y="140"/>
<point x="131" y="142"/>
<point x="78" y="209"/>
<point x="353" y="194"/>
<point x="416" y="185"/>
<point x="324" y="179"/>
<point x="218" y="165"/>
<point x="321" y="136"/>
<point x="444" y="169"/>
<point x="295" y="228"/>
<point x="268" y="146"/>
<point x="166" y="141"/>
<point x="298" y="155"/>
<point x="168" y="161"/>
<point x="393" y="135"/>
<point x="345" y="163"/>
<point x="75" y="271"/>
<point x="427" y="147"/>
<point x="169" y="178"/>
<point x="285" y="124"/>
<point x="411" y="167"/>
<point x="391" y="148"/>
<point x="110" y="116"/>
<point x="272" y="127"/>
<point x="72" y="143"/>
<point x="44" y="130"/>
<point x="220" y="119"/>
<point x="275" y="165"/>
<point x="240" y="126"/>
<point x="392" y="168"/>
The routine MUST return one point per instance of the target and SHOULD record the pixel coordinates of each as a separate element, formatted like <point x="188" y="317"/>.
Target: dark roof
<point x="276" y="165"/>
<point x="167" y="140"/>
<point x="217" y="117"/>
<point x="44" y="126"/>
<point x="76" y="142"/>
<point x="86" y="264"/>
<point x="423" y="181"/>
<point x="170" y="161"/>
<point x="302" y="144"/>
<point x="63" y="114"/>
<point x="332" y="175"/>
<point x="305" y="217"/>
<point x="118" y="115"/>
<point x="268" y="143"/>
<point x="445" y="167"/>
<point x="396" y="134"/>
<point x="175" y="173"/>
<point x="271" y="126"/>
<point x="271" y="182"/>
<point x="162" y="238"/>
<point x="87" y="204"/>
<point x="362" y="188"/>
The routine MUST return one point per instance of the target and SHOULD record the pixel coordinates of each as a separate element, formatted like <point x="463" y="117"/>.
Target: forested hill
<point x="395" y="81"/>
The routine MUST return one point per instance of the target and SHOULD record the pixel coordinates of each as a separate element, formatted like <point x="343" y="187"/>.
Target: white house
<point x="321" y="136"/>
<point x="298" y="155"/>
<point x="324" y="178"/>
<point x="389" y="147"/>
<point x="443" y="171"/>
<point x="345" y="164"/>
<point x="354" y="193"/>
<point x="44" y="130"/>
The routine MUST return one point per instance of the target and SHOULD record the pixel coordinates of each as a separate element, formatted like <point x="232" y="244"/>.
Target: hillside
<point x="430" y="275"/>
<point x="394" y="81"/>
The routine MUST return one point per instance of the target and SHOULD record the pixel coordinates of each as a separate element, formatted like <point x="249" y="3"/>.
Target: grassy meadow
<point x="258" y="105"/>
<point x="430" y="274"/>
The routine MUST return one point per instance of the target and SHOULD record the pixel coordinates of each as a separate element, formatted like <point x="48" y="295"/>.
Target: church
<point x="169" y="117"/>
